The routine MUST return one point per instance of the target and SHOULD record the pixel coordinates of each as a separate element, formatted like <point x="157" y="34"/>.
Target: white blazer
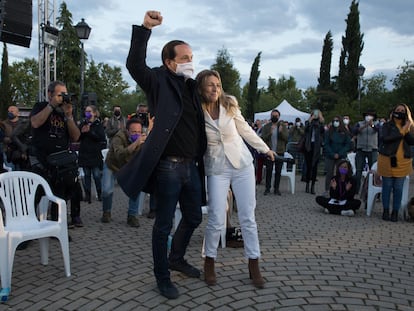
<point x="225" y="140"/>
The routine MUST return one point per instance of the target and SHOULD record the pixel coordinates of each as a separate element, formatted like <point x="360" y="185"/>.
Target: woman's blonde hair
<point x="227" y="101"/>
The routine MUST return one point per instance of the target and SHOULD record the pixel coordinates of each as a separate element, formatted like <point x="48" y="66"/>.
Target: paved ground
<point x="311" y="261"/>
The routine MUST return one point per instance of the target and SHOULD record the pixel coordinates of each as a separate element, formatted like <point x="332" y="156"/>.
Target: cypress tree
<point x="6" y="97"/>
<point x="324" y="80"/>
<point x="352" y="46"/>
<point x="252" y="93"/>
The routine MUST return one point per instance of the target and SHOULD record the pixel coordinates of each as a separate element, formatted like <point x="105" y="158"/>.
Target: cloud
<point x="289" y="33"/>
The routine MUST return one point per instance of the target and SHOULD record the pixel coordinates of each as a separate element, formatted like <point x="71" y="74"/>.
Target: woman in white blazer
<point x="227" y="162"/>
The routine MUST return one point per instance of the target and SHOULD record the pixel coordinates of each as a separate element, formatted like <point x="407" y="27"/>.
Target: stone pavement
<point x="311" y="261"/>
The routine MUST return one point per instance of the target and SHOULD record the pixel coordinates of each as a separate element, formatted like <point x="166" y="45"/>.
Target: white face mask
<point x="185" y="69"/>
<point x="369" y="118"/>
<point x="298" y="124"/>
<point x="346" y="121"/>
<point x="335" y="123"/>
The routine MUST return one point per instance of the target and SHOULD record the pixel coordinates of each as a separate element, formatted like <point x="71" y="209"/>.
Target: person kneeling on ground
<point x="341" y="192"/>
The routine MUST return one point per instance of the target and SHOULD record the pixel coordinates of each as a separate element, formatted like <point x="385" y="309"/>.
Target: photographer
<point x="53" y="129"/>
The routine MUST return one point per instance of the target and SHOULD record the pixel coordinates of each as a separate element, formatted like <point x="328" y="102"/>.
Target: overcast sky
<point x="289" y="33"/>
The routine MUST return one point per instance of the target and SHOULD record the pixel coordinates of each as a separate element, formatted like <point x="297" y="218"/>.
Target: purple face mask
<point x="343" y="170"/>
<point x="88" y="115"/>
<point x="134" y="137"/>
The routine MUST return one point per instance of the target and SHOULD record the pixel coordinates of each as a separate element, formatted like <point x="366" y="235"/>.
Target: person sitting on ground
<point x="341" y="192"/>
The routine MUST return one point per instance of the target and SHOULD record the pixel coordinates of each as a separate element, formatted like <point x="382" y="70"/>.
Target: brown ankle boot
<point x="209" y="273"/>
<point x="254" y="273"/>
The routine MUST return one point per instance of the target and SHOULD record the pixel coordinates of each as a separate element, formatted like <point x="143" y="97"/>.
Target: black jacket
<point x="391" y="138"/>
<point x="164" y="94"/>
<point x="91" y="144"/>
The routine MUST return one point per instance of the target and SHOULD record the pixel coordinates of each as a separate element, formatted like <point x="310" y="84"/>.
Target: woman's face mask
<point x="399" y="115"/>
<point x="88" y="115"/>
<point x="346" y="121"/>
<point x="343" y="170"/>
<point x="335" y="123"/>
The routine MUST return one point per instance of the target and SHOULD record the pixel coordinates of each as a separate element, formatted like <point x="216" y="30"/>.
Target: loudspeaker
<point x="16" y="22"/>
<point x="89" y="98"/>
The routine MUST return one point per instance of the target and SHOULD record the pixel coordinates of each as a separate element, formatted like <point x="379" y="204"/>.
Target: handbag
<point x="63" y="167"/>
<point x="62" y="158"/>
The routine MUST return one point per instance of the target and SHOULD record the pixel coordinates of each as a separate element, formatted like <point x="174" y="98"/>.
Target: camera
<point x="66" y="98"/>
<point x="144" y="118"/>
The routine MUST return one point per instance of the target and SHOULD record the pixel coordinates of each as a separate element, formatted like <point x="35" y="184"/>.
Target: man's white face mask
<point x="185" y="69"/>
<point x="369" y="118"/>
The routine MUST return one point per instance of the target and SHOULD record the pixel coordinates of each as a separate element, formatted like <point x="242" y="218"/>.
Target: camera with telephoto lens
<point x="144" y="118"/>
<point x="66" y="98"/>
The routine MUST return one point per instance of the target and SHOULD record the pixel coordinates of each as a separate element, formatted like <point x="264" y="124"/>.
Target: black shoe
<point x="385" y="215"/>
<point x="186" y="268"/>
<point x="266" y="192"/>
<point x="168" y="289"/>
<point x="277" y="192"/>
<point x="151" y="215"/>
<point x="394" y="216"/>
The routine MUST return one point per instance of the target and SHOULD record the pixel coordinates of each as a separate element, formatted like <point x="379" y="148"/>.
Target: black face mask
<point x="117" y="113"/>
<point x="274" y="119"/>
<point x="399" y="115"/>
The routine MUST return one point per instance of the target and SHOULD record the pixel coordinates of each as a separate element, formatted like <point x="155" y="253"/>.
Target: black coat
<point x="164" y="94"/>
<point x="91" y="144"/>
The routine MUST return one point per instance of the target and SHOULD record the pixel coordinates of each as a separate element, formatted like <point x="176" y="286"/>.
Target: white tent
<point x="287" y="113"/>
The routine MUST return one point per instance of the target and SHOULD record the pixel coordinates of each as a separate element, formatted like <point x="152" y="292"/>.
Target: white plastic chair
<point x="291" y="175"/>
<point x="7" y="168"/>
<point x="17" y="193"/>
<point x="104" y="153"/>
<point x="351" y="158"/>
<point x="372" y="189"/>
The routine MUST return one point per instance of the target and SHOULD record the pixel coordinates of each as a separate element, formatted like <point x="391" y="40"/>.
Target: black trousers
<point x="352" y="204"/>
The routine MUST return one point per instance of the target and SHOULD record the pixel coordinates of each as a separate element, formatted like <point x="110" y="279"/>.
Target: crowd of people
<point x="192" y="139"/>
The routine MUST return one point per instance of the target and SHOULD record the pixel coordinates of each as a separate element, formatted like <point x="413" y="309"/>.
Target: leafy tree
<point x="252" y="92"/>
<point x="68" y="51"/>
<point x="284" y="89"/>
<point x="375" y="95"/>
<point x="6" y="94"/>
<point x="230" y="77"/>
<point x="404" y="85"/>
<point x="24" y="78"/>
<point x="107" y="83"/>
<point x="352" y="46"/>
<point x="277" y="91"/>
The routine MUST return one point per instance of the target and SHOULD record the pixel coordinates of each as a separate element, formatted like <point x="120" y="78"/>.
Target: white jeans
<point x="243" y="185"/>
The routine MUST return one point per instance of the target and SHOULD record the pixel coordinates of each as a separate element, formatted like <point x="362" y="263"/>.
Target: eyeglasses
<point x="336" y="120"/>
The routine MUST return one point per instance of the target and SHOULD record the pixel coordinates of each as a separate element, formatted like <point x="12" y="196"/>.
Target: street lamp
<point x="83" y="31"/>
<point x="360" y="73"/>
